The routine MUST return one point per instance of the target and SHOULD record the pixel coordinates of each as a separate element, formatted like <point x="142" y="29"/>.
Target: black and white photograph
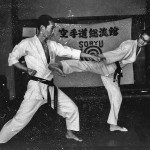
<point x="74" y="74"/>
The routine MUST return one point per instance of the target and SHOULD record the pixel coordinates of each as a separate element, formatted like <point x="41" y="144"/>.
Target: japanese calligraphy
<point x="88" y="33"/>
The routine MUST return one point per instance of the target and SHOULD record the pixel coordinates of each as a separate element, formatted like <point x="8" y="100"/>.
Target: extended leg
<point x="70" y="66"/>
<point x="26" y="111"/>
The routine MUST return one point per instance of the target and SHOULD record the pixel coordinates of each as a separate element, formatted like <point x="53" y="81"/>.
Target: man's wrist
<point x="26" y="69"/>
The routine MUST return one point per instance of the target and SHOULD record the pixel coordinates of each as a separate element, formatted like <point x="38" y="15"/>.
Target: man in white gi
<point x="38" y="52"/>
<point x="126" y="53"/>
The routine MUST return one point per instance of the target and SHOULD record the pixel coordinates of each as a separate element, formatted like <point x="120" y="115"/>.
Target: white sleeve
<point x="17" y="52"/>
<point x="64" y="51"/>
<point x="118" y="54"/>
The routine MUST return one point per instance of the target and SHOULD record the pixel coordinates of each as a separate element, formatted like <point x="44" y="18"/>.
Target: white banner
<point x="94" y="39"/>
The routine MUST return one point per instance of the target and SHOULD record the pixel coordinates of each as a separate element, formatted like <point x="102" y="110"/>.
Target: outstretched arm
<point x="65" y="51"/>
<point x="122" y="52"/>
<point x="85" y="55"/>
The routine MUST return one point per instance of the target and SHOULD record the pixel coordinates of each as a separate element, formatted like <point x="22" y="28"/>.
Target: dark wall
<point x="6" y="43"/>
<point x="147" y="50"/>
<point x="30" y="9"/>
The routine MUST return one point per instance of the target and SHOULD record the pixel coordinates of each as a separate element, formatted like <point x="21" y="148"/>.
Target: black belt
<point x="49" y="83"/>
<point x="118" y="73"/>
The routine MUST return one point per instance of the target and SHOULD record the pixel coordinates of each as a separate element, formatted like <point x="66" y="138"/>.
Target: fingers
<point x="57" y="68"/>
<point x="97" y="59"/>
<point x="31" y="72"/>
<point x="103" y="59"/>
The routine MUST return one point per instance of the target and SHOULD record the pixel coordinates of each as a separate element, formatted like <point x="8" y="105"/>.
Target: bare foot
<point x="57" y="67"/>
<point x="117" y="128"/>
<point x="70" y="135"/>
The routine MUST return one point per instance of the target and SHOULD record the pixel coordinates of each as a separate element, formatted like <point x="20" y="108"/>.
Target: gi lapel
<point x="41" y="51"/>
<point x="46" y="51"/>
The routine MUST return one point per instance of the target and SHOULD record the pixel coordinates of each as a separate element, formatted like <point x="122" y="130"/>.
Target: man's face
<point x="49" y="30"/>
<point x="143" y="40"/>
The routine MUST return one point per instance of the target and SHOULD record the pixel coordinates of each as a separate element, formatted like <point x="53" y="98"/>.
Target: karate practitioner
<point x="38" y="52"/>
<point x="126" y="53"/>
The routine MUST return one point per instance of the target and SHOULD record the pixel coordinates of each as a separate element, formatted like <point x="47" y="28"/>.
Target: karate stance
<point x="126" y="53"/>
<point x="38" y="52"/>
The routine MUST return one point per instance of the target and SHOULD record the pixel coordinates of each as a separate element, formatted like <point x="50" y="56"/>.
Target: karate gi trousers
<point x="31" y="103"/>
<point x="107" y="73"/>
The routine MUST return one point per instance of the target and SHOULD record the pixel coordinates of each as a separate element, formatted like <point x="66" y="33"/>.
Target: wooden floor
<point x="45" y="133"/>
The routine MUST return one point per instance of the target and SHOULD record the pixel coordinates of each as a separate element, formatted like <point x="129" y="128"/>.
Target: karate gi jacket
<point x="33" y="52"/>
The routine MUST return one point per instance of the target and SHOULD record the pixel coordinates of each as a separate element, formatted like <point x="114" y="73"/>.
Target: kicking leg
<point x="70" y="66"/>
<point x="26" y="111"/>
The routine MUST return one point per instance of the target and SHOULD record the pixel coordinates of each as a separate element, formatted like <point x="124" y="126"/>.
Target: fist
<point x="31" y="72"/>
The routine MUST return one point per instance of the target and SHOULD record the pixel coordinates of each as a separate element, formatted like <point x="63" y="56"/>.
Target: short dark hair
<point x="44" y="20"/>
<point x="146" y="31"/>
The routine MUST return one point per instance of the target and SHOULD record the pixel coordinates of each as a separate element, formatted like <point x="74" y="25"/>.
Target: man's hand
<point x="90" y="57"/>
<point x="95" y="58"/>
<point x="102" y="58"/>
<point x="31" y="72"/>
<point x="58" y="68"/>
